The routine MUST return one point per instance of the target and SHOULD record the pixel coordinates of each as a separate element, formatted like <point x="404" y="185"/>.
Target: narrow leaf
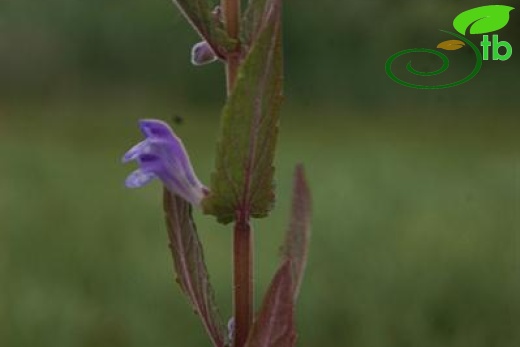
<point x="297" y="237"/>
<point x="243" y="179"/>
<point x="483" y="19"/>
<point x="188" y="259"/>
<point x="256" y="13"/>
<point x="199" y="15"/>
<point x="451" y="45"/>
<point x="274" y="326"/>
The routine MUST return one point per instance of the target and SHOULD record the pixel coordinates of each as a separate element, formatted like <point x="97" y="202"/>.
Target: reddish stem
<point x="232" y="65"/>
<point x="243" y="280"/>
<point x="242" y="236"/>
<point x="231" y="12"/>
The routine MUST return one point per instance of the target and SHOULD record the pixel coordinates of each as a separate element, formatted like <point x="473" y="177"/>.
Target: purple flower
<point x="162" y="155"/>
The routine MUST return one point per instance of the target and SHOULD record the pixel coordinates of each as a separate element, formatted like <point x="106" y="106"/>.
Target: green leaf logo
<point x="482" y="20"/>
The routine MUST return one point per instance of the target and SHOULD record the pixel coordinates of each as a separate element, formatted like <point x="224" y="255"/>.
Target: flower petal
<point x="139" y="178"/>
<point x="156" y="129"/>
<point x="134" y="152"/>
<point x="162" y="155"/>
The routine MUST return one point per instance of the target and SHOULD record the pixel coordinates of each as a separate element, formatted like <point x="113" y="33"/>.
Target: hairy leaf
<point x="188" y="259"/>
<point x="274" y="326"/>
<point x="482" y="20"/>
<point x="199" y="15"/>
<point x="243" y="179"/>
<point x="297" y="237"/>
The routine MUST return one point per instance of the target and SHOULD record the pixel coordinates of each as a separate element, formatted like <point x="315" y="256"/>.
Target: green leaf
<point x="254" y="14"/>
<point x="296" y="244"/>
<point x="199" y="15"/>
<point x="243" y="178"/>
<point x="188" y="260"/>
<point x="482" y="20"/>
<point x="274" y="326"/>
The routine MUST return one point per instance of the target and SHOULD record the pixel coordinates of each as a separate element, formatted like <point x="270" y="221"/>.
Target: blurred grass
<point x="415" y="239"/>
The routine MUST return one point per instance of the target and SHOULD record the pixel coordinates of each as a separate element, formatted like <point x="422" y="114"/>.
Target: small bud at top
<point x="202" y="54"/>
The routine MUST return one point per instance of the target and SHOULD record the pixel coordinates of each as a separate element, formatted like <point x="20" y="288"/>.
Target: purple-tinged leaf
<point x="188" y="260"/>
<point x="243" y="180"/>
<point x="297" y="237"/>
<point x="274" y="326"/>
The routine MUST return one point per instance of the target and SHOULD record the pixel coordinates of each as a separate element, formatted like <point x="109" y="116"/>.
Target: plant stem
<point x="231" y="12"/>
<point x="242" y="235"/>
<point x="231" y="71"/>
<point x="243" y="280"/>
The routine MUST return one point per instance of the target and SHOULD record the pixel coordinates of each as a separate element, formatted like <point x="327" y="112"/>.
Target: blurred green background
<point x="416" y="193"/>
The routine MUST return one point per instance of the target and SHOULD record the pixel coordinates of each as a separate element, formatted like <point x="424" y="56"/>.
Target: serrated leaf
<point x="199" y="15"/>
<point x="451" y="45"/>
<point x="274" y="325"/>
<point x="243" y="178"/>
<point x="296" y="244"/>
<point x="188" y="259"/>
<point x="482" y="20"/>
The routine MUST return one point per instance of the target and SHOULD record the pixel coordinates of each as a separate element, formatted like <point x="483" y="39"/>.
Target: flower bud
<point x="202" y="54"/>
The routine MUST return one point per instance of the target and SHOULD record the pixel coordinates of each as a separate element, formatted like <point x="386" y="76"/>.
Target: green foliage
<point x="274" y="325"/>
<point x="188" y="258"/>
<point x="253" y="19"/>
<point x="243" y="177"/>
<point x="482" y="20"/>
<point x="296" y="245"/>
<point x="418" y="227"/>
<point x="73" y="46"/>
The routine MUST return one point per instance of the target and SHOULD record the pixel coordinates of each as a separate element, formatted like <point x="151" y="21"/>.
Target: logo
<point x="480" y="21"/>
